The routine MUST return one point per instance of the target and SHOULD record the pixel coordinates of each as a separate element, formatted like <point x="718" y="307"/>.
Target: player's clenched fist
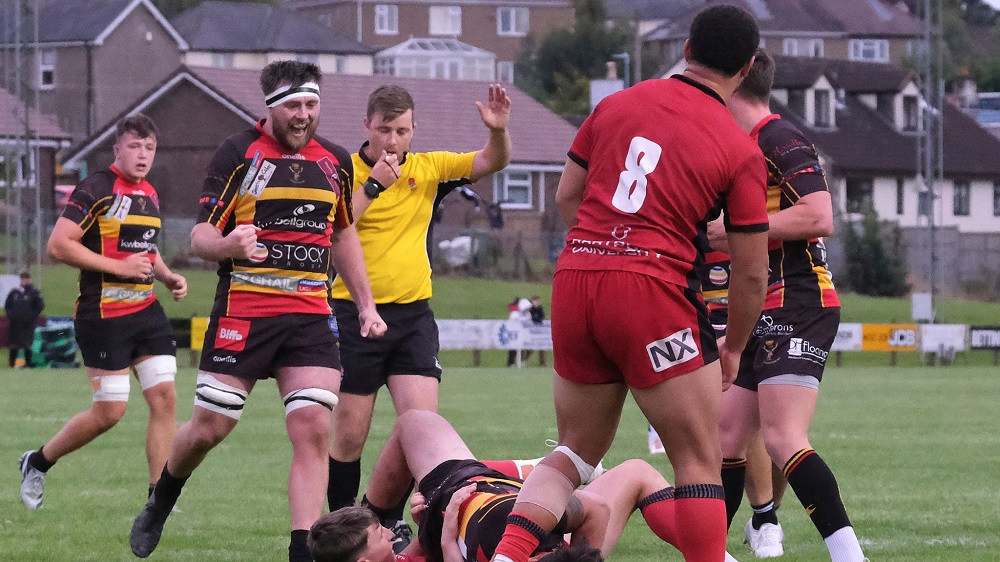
<point x="136" y="266"/>
<point x="242" y="241"/>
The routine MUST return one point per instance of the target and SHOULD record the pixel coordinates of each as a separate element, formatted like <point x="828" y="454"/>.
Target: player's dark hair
<point x="757" y="85"/>
<point x="389" y="100"/>
<point x="723" y="37"/>
<point x="291" y="72"/>
<point x="574" y="553"/>
<point x="139" y="124"/>
<point x="342" y="535"/>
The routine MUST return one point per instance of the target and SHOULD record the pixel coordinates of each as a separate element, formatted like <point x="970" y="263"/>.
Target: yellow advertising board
<point x="889" y="337"/>
<point x="198" y="327"/>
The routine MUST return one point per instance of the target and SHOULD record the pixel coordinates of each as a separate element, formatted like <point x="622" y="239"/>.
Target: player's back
<point x="659" y="157"/>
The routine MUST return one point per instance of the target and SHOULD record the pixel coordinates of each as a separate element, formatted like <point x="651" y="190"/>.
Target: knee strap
<point x="112" y="388"/>
<point x="219" y="397"/>
<point x="583" y="469"/>
<point x="155" y="370"/>
<point x="308" y="397"/>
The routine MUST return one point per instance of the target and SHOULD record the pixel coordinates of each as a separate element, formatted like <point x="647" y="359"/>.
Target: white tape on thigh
<point x="156" y="370"/>
<point x="553" y="496"/>
<point x="113" y="388"/>
<point x="584" y="469"/>
<point x="219" y="397"/>
<point x="309" y="397"/>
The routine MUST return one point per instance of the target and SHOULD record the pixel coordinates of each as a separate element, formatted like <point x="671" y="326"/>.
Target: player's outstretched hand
<point x="136" y="266"/>
<point x="242" y="241"/>
<point x="372" y="325"/>
<point x="496" y="112"/>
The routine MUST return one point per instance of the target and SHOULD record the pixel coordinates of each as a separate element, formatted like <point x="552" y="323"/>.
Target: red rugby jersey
<point x="661" y="156"/>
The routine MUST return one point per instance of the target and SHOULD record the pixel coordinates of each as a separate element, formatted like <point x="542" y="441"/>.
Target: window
<point x="505" y="72"/>
<point x="12" y="167"/>
<point x="885" y="104"/>
<point x="900" y="196"/>
<point x="325" y="20"/>
<point x="859" y="194"/>
<point x="46" y="69"/>
<point x="802" y="47"/>
<point x="870" y="50"/>
<point x="308" y="57"/>
<point x="386" y="19"/>
<point x="222" y="60"/>
<point x="960" y="200"/>
<point x="822" y="108"/>
<point x="996" y="198"/>
<point x="512" y="189"/>
<point x="911" y="113"/>
<point x="924" y="206"/>
<point x="512" y="21"/>
<point x="447" y="69"/>
<point x="446" y="20"/>
<point x="341" y="64"/>
<point x="797" y="102"/>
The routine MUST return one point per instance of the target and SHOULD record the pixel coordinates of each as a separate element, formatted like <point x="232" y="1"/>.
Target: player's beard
<point x="283" y="134"/>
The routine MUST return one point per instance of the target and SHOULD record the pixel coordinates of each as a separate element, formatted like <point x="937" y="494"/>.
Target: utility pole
<point x="930" y="141"/>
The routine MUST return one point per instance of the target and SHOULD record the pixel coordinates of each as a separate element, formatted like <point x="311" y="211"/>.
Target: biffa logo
<point x="674" y="349"/>
<point x="232" y="334"/>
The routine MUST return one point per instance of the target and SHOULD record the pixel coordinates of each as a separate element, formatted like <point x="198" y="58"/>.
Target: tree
<point x="170" y="8"/>
<point x="871" y="270"/>
<point x="556" y="70"/>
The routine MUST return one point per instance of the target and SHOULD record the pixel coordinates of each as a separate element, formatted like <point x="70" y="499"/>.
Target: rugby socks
<point x="816" y="487"/>
<point x="167" y="490"/>
<point x="38" y="461"/>
<point x="520" y="539"/>
<point x="383" y="513"/>
<point x="765" y="513"/>
<point x="345" y="481"/>
<point x="396" y="511"/>
<point x="298" y="546"/>
<point x="734" y="476"/>
<point x="700" y="513"/>
<point x="658" y="510"/>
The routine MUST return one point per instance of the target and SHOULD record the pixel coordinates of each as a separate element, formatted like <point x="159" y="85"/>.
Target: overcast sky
<point x="994" y="3"/>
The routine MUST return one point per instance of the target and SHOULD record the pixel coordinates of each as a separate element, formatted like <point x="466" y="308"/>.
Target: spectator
<point x="538" y="318"/>
<point x="23" y="305"/>
<point x="519" y="312"/>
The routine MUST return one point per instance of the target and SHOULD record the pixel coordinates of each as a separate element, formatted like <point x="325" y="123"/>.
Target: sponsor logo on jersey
<point x="259" y="253"/>
<point x="293" y="156"/>
<point x="674" y="349"/>
<point x="309" y="285"/>
<point x="769" y="347"/>
<point x="251" y="172"/>
<point x="149" y="234"/>
<point x="119" y="208"/>
<point x="125" y="295"/>
<point x="799" y="348"/>
<point x="260" y="180"/>
<point x="232" y="334"/>
<point x="300" y="224"/>
<point x="223" y="359"/>
<point x="136" y="245"/>
<point x="281" y="283"/>
<point x="330" y="171"/>
<point x="299" y="256"/>
<point x="718" y="275"/>
<point x="303" y="209"/>
<point x="766" y="327"/>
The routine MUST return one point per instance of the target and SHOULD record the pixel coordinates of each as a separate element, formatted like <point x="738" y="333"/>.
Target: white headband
<point x="287" y="92"/>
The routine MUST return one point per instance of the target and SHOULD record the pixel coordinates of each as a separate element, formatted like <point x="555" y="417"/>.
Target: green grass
<point x="915" y="450"/>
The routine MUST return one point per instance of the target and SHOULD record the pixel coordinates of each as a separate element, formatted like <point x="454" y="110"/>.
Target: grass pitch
<point x="916" y="452"/>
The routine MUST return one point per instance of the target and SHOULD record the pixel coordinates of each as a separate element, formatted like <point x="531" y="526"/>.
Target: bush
<point x="871" y="269"/>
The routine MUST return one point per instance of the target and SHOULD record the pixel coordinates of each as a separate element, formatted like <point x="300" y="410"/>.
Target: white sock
<point x="521" y="464"/>
<point x="844" y="547"/>
<point x="729" y="557"/>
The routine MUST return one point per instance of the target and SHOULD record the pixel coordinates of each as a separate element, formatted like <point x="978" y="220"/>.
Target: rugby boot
<point x="32" y="483"/>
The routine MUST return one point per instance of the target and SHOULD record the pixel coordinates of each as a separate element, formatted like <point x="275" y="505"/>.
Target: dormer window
<point x="797" y="102"/>
<point x="795" y="47"/>
<point x="822" y="109"/>
<point x="869" y="50"/>
<point x="911" y="113"/>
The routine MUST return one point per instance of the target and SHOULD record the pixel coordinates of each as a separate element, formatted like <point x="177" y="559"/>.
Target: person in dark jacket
<point x="23" y="305"/>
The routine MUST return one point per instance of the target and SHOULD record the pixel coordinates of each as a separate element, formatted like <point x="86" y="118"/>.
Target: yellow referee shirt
<point x="393" y="230"/>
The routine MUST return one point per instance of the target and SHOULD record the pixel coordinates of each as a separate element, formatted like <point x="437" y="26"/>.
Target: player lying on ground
<point x="424" y="446"/>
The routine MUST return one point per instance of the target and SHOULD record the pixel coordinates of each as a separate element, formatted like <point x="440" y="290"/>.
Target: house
<point x="93" y="58"/>
<point x="198" y="107"/>
<point x="29" y="142"/>
<point x="856" y="30"/>
<point x="496" y="26"/>
<point x="649" y="13"/>
<point x="250" y="35"/>
<point x="447" y="59"/>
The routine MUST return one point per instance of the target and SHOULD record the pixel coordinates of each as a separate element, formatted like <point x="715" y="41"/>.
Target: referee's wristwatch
<point x="373" y="188"/>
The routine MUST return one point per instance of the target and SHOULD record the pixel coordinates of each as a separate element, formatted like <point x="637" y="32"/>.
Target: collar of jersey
<point x="371" y="163"/>
<point x="700" y="86"/>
